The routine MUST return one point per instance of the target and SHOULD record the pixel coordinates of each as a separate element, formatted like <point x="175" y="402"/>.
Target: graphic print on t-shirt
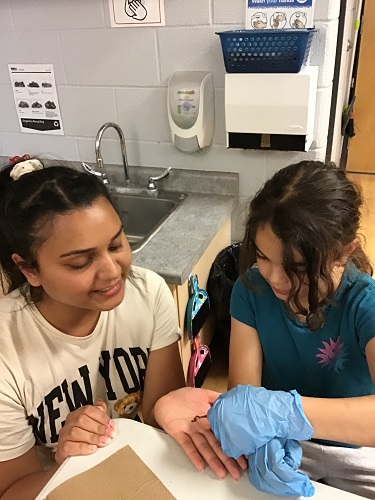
<point x="333" y="355"/>
<point x="123" y="374"/>
<point x="129" y="405"/>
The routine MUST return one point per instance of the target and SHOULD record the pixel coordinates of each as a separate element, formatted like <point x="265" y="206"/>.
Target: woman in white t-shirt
<point x="84" y="337"/>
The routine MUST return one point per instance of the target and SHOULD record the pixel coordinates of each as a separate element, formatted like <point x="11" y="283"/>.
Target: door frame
<point x="336" y="79"/>
<point x="336" y="82"/>
<point x="352" y="94"/>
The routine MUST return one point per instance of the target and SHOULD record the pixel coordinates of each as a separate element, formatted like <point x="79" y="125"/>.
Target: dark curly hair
<point x="314" y="210"/>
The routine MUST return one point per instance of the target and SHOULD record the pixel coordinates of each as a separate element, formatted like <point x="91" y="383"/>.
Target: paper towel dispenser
<point x="271" y="111"/>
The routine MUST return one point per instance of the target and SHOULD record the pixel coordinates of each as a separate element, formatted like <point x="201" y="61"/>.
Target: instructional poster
<point x="35" y="96"/>
<point x="133" y="13"/>
<point x="279" y="14"/>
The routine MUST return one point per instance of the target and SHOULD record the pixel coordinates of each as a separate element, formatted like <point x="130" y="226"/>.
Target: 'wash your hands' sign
<point x="279" y="14"/>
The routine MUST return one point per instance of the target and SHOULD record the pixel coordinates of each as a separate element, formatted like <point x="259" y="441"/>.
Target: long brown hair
<point x="314" y="210"/>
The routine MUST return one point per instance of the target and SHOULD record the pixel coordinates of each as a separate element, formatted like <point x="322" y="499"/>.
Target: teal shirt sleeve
<point x="243" y="305"/>
<point x="365" y="316"/>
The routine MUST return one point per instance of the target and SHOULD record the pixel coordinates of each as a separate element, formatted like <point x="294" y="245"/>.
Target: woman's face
<point x="269" y="256"/>
<point x="85" y="260"/>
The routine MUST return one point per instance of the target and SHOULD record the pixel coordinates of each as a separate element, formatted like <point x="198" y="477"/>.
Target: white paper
<point x="133" y="13"/>
<point x="279" y="14"/>
<point x="35" y="96"/>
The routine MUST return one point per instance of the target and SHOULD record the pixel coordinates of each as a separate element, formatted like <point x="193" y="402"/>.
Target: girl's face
<point x="269" y="256"/>
<point x="85" y="260"/>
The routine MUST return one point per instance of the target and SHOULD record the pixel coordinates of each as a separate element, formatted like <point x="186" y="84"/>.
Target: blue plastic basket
<point x="266" y="51"/>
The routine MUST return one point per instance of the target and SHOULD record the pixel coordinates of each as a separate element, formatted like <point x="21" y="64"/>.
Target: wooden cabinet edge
<point x="181" y="292"/>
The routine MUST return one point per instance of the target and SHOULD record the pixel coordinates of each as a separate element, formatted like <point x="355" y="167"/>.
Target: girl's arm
<point x="23" y="477"/>
<point x="350" y="420"/>
<point x="245" y="356"/>
<point x="164" y="374"/>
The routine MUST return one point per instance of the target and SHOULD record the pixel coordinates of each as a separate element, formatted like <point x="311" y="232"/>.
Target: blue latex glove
<point x="245" y="418"/>
<point x="273" y="469"/>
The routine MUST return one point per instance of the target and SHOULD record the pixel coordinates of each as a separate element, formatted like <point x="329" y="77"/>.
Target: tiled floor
<point x="217" y="376"/>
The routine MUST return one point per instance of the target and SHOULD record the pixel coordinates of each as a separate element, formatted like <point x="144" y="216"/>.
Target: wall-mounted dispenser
<point x="271" y="111"/>
<point x="191" y="109"/>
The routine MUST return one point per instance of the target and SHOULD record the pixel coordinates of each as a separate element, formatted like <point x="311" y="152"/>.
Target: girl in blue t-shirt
<point x="304" y="317"/>
<point x="302" y="348"/>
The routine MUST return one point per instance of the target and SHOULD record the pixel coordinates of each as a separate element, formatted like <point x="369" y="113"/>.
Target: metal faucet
<point x="152" y="180"/>
<point x="99" y="159"/>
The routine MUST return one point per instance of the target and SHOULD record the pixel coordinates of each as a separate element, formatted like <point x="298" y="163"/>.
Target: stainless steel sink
<point x="143" y="216"/>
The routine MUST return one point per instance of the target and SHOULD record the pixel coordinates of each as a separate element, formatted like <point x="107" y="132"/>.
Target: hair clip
<point x="25" y="167"/>
<point x="17" y="159"/>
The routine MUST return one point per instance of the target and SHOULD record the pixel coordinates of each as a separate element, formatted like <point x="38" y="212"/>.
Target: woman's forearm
<point x="28" y="487"/>
<point x="349" y="420"/>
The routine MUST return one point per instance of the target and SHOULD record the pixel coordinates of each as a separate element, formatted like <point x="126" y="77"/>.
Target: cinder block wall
<point x="120" y="74"/>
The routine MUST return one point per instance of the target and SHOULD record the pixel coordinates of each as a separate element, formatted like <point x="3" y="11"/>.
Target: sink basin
<point x="143" y="216"/>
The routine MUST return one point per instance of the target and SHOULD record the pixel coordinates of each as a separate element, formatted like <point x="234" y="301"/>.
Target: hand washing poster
<point x="35" y="96"/>
<point x="279" y="14"/>
<point x="133" y="13"/>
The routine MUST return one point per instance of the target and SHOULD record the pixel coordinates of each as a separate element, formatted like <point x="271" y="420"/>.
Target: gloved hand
<point x="245" y="418"/>
<point x="273" y="469"/>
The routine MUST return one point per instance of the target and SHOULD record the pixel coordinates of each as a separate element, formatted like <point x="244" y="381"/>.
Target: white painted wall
<point x="121" y="75"/>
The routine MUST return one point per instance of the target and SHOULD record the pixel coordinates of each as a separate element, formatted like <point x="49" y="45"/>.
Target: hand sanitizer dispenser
<point x="191" y="109"/>
<point x="271" y="111"/>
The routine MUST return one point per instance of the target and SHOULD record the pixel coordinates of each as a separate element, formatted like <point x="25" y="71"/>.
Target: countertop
<point x="175" y="249"/>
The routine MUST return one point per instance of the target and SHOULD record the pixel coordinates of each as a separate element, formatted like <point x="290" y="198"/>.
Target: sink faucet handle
<point x="101" y="175"/>
<point x="152" y="180"/>
<point x="161" y="176"/>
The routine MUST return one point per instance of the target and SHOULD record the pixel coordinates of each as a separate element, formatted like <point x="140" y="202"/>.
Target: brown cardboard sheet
<point x="121" y="476"/>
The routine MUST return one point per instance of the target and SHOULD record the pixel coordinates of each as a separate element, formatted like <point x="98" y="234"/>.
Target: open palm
<point x="175" y="412"/>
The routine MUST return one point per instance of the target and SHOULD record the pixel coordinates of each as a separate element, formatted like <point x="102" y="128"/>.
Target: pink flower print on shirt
<point x="333" y="355"/>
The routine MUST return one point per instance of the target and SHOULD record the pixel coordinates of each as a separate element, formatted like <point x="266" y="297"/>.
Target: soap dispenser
<point x="191" y="109"/>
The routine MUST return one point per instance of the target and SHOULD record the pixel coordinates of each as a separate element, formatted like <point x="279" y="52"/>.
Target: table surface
<point x="170" y="464"/>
